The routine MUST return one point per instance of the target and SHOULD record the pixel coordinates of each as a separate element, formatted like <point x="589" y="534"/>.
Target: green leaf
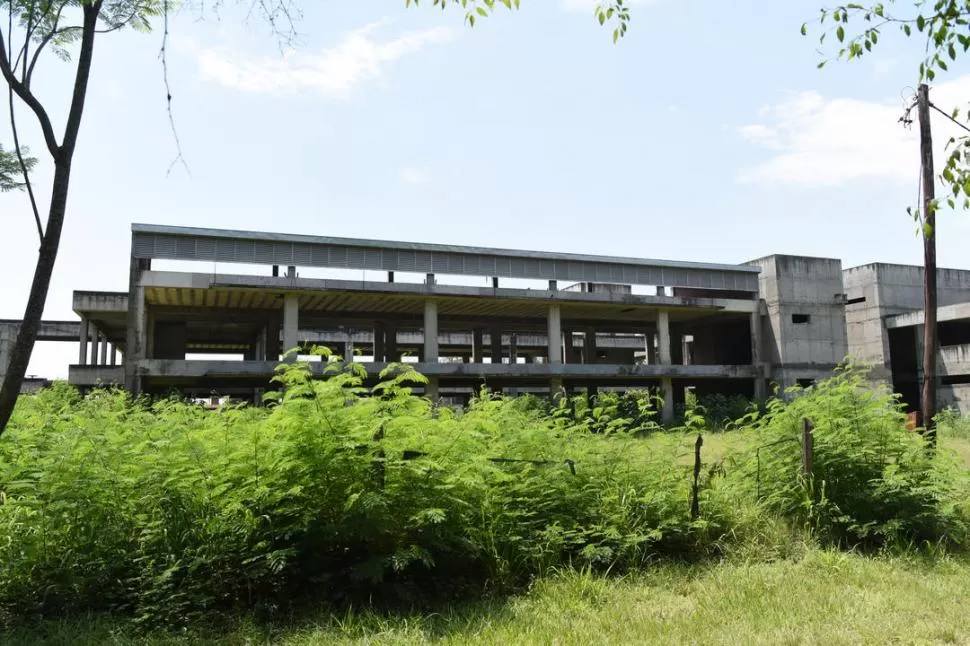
<point x="840" y="33"/>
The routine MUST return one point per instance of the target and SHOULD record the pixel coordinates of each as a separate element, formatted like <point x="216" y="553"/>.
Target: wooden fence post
<point x="808" y="449"/>
<point x="695" y="509"/>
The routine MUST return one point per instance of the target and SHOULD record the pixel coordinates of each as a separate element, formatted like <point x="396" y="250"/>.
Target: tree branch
<point x="16" y="139"/>
<point x="163" y="55"/>
<point x="28" y="97"/>
<point x="40" y="47"/>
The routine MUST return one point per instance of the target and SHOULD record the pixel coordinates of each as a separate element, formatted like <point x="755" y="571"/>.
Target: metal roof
<point x="251" y="247"/>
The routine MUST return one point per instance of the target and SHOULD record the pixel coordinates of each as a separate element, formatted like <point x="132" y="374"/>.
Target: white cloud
<point x="818" y="141"/>
<point x="414" y="176"/>
<point x="337" y="71"/>
<point x="589" y="5"/>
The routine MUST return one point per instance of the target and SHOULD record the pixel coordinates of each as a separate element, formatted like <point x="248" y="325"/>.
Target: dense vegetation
<point x="346" y="494"/>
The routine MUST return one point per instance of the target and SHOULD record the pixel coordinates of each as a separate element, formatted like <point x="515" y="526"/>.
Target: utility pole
<point x="928" y="394"/>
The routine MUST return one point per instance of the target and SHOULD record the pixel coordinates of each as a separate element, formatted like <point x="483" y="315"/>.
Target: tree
<point x="945" y="27"/>
<point x="62" y="28"/>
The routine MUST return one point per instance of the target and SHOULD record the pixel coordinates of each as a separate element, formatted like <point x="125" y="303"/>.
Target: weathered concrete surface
<point x="91" y="376"/>
<point x="805" y="324"/>
<point x="49" y="331"/>
<point x="956" y="312"/>
<point x="954" y="360"/>
<point x="88" y="302"/>
<point x="884" y="296"/>
<point x="257" y="247"/>
<point x="955" y="396"/>
<point x="185" y="280"/>
<point x="244" y="369"/>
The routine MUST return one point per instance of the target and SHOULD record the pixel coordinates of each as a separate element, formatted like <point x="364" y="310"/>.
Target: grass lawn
<point x="821" y="598"/>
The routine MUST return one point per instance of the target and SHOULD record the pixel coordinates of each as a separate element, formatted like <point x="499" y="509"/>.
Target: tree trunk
<point x="34" y="312"/>
<point x="63" y="156"/>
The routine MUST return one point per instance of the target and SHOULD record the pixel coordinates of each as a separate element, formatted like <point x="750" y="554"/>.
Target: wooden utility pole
<point x="928" y="395"/>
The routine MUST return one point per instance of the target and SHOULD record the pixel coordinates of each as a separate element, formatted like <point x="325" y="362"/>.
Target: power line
<point x="933" y="105"/>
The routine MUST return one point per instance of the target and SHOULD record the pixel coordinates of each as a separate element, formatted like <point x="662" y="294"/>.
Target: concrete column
<point x="136" y="338"/>
<point x="103" y="359"/>
<point x="95" y="339"/>
<point x="390" y="343"/>
<point x="663" y="334"/>
<point x="291" y="323"/>
<point x="85" y="334"/>
<point x="8" y="337"/>
<point x="349" y="350"/>
<point x="589" y="346"/>
<point x="651" y="342"/>
<point x="667" y="413"/>
<point x="495" y="338"/>
<point x="513" y="349"/>
<point x="555" y="387"/>
<point x="379" y="341"/>
<point x="555" y="336"/>
<point x="676" y="344"/>
<point x="478" y="346"/>
<point x="272" y="336"/>
<point x="431" y="389"/>
<point x="113" y="356"/>
<point x="759" y="380"/>
<point x="431" y="331"/>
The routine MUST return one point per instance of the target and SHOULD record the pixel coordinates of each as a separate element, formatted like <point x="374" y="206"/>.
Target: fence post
<point x="695" y="510"/>
<point x="808" y="448"/>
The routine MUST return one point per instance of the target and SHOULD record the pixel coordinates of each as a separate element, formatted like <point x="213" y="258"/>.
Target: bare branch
<point x="16" y="138"/>
<point x="163" y="55"/>
<point x="28" y="97"/>
<point x="40" y="47"/>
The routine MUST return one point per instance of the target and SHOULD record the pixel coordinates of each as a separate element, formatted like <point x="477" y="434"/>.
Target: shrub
<point x="874" y="482"/>
<point x="336" y="491"/>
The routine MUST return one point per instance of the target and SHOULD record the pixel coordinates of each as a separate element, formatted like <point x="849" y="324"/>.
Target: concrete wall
<point x="804" y="332"/>
<point x="956" y="396"/>
<point x="878" y="290"/>
<point x="8" y="335"/>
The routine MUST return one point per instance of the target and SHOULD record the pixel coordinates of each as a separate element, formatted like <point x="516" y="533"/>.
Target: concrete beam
<point x="607" y="372"/>
<point x="957" y="312"/>
<point x="187" y="280"/>
<point x="189" y="243"/>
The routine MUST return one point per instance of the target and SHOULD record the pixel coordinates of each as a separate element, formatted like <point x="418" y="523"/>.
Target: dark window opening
<point x="805" y="383"/>
<point x="799" y="319"/>
<point x="855" y="301"/>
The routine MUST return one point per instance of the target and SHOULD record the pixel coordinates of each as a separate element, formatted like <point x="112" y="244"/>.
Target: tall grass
<point x="349" y="493"/>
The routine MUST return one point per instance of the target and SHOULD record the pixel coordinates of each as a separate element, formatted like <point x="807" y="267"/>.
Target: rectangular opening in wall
<point x="800" y="319"/>
<point x="805" y="383"/>
<point x="856" y="301"/>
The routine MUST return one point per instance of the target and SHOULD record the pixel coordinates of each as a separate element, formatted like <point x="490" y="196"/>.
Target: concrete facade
<point x="584" y="322"/>
<point x="804" y="325"/>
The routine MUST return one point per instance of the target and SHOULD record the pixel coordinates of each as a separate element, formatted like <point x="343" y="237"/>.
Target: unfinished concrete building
<point x="537" y="321"/>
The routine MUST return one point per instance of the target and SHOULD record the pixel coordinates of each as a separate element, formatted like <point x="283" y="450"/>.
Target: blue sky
<point x="707" y="134"/>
